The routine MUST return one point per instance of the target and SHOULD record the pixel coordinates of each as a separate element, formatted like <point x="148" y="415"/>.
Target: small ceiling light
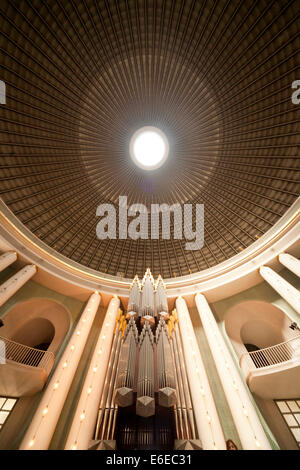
<point x="149" y="148"/>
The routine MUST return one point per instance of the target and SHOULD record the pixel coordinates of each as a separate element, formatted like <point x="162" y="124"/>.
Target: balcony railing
<point x="21" y="354"/>
<point x="271" y="356"/>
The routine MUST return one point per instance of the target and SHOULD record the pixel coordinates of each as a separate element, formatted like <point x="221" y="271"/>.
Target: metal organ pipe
<point x="165" y="367"/>
<point x="191" y="432"/>
<point x="146" y="365"/>
<point x="161" y="298"/>
<point x="184" y="403"/>
<point x="148" y="295"/>
<point x="110" y="405"/>
<point x="127" y="363"/>
<point x="108" y="376"/>
<point x="134" y="297"/>
<point x="145" y="403"/>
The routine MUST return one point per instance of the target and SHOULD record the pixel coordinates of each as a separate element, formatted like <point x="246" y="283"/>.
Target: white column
<point x="14" y="283"/>
<point x="284" y="288"/>
<point x="42" y="427"/>
<point x="247" y="423"/>
<point x="6" y="259"/>
<point x="84" y="421"/>
<point x="290" y="262"/>
<point x="206" y="415"/>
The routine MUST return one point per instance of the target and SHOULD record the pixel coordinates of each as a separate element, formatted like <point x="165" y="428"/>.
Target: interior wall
<point x="36" y="331"/>
<point x="35" y="321"/>
<point x="25" y="407"/>
<point x="277" y="423"/>
<point x="263" y="292"/>
<point x="272" y="421"/>
<point x="17" y="423"/>
<point x="34" y="290"/>
<point x="256" y="322"/>
<point x="19" y="420"/>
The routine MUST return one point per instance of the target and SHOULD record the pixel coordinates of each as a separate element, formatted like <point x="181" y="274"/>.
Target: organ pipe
<point x="165" y="367"/>
<point x="146" y="371"/>
<point x="145" y="403"/>
<point x="134" y="297"/>
<point x="127" y="362"/>
<point x="161" y="297"/>
<point x="148" y="295"/>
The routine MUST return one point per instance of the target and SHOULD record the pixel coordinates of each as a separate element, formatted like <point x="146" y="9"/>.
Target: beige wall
<point x="51" y="305"/>
<point x="35" y="321"/>
<point x="256" y="322"/>
<point x="34" y="290"/>
<point x="277" y="319"/>
<point x="263" y="292"/>
<point x="277" y="424"/>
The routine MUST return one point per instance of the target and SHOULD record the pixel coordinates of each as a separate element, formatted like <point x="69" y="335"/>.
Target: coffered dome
<point x="215" y="77"/>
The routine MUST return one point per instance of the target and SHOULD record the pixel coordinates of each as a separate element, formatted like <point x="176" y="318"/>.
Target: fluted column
<point x="6" y="259"/>
<point x="284" y="288"/>
<point x="247" y="423"/>
<point x="206" y="416"/>
<point x="84" y="421"/>
<point x="14" y="283"/>
<point x="290" y="262"/>
<point x="42" y="427"/>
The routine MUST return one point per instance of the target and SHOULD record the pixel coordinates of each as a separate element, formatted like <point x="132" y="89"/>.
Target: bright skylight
<point x="149" y="148"/>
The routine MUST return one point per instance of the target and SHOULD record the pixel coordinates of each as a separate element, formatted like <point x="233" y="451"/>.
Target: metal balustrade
<point x="25" y="355"/>
<point x="272" y="355"/>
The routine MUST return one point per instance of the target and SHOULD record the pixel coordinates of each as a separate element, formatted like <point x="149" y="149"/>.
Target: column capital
<point x="199" y="294"/>
<point x="15" y="282"/>
<point x="7" y="258"/>
<point x="286" y="290"/>
<point x="12" y="252"/>
<point x="290" y="262"/>
<point x="265" y="268"/>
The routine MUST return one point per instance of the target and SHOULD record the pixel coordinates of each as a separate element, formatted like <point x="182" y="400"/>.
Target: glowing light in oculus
<point x="149" y="148"/>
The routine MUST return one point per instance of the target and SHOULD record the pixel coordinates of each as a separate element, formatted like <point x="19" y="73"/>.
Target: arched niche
<point x="37" y="322"/>
<point x="256" y="323"/>
<point x="37" y="333"/>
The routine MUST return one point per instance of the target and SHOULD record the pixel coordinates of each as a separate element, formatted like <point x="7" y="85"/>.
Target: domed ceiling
<point x="215" y="76"/>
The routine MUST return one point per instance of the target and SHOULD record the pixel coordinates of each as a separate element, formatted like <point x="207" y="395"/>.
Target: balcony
<point x="274" y="372"/>
<point x="23" y="370"/>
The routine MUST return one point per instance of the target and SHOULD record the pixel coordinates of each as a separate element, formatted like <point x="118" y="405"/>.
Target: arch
<point x="251" y="347"/>
<point x="36" y="333"/>
<point x="37" y="322"/>
<point x="256" y="323"/>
